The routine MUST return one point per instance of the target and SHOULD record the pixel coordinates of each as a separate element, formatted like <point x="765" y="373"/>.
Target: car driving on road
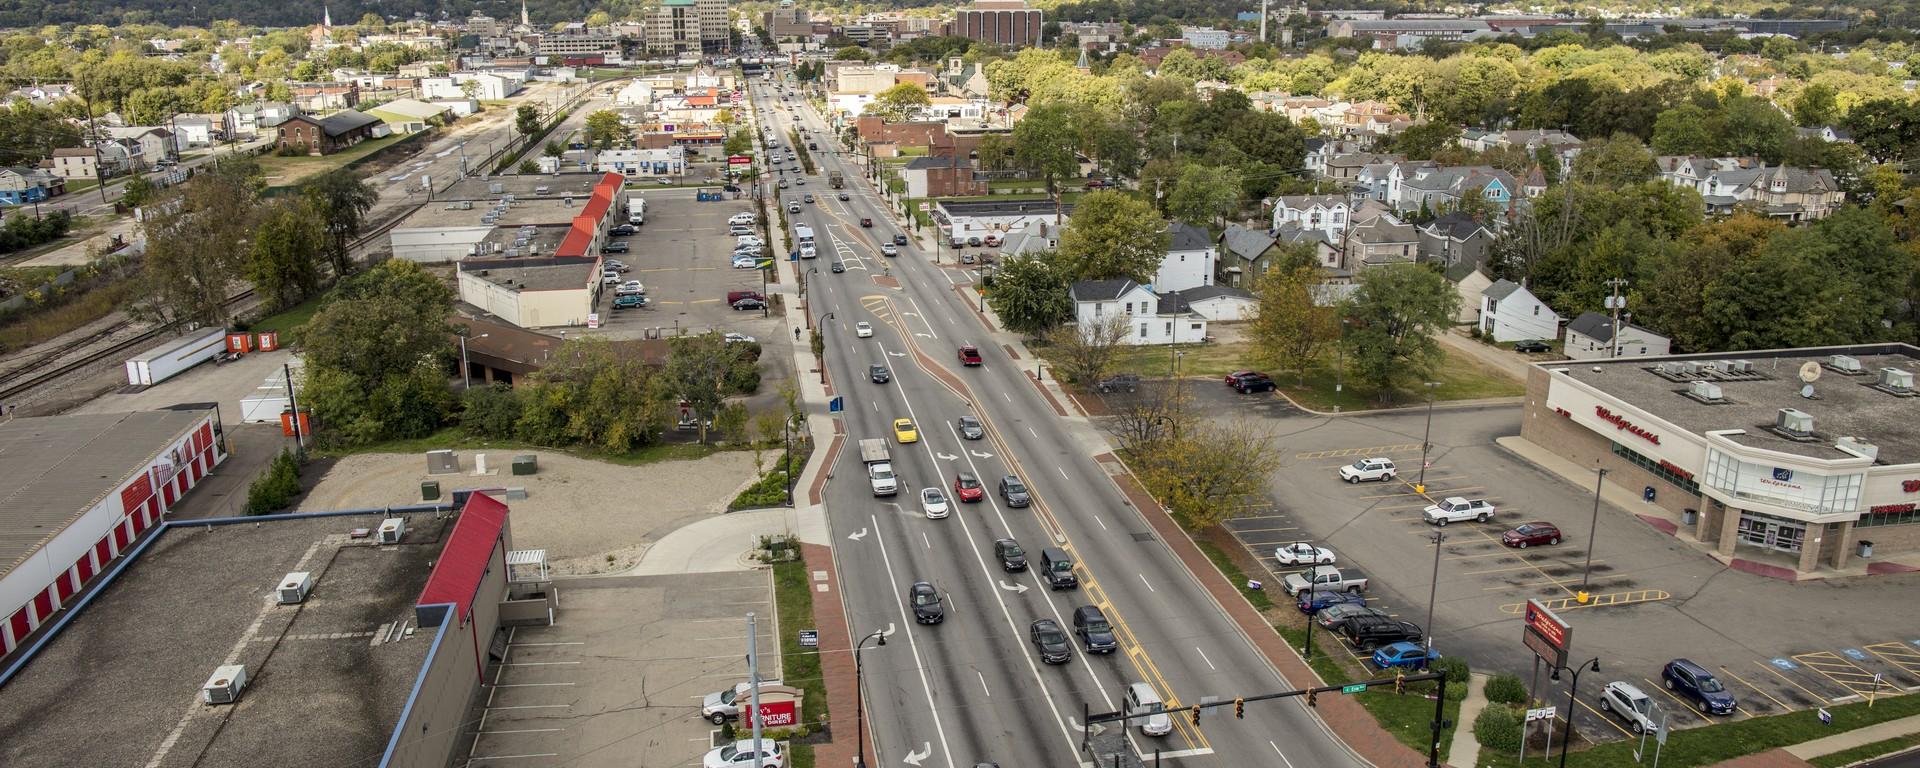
<point x="967" y="488"/>
<point x="888" y="249"/>
<point x="1050" y="641"/>
<point x="933" y="503"/>
<point x="927" y="606"/>
<point x="879" y="374"/>
<point x="969" y="428"/>
<point x="1012" y="558"/>
<point x="1014" y="491"/>
<point x="863" y="329"/>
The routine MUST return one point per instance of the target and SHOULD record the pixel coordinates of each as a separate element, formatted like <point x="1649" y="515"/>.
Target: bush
<point x="743" y="379"/>
<point x="1506" y="689"/>
<point x="769" y="491"/>
<point x="1457" y="675"/>
<point x="275" y="488"/>
<point x="1498" y="728"/>
<point x="491" y="411"/>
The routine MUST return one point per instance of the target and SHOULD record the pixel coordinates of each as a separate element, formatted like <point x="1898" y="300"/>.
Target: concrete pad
<point x="715" y="544"/>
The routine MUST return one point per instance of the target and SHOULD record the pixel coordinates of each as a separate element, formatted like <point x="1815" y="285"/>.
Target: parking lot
<point x="1777" y="646"/>
<point x="683" y="257"/>
<point x="617" y="680"/>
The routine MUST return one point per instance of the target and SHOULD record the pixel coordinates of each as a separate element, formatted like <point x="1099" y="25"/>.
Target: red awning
<point x="463" y="562"/>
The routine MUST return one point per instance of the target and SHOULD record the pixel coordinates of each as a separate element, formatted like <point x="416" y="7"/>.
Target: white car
<point x="1303" y="553"/>
<point x="739" y="338"/>
<point x="741" y="753"/>
<point x="617" y="265"/>
<point x="1626" y="701"/>
<point x="862" y="329"/>
<point x="1456" y="509"/>
<point x="609" y="277"/>
<point x="753" y="240"/>
<point x="743" y="218"/>
<point x="933" y="502"/>
<point x="1368" y="469"/>
<point x="630" y="288"/>
<point x="889" y="249"/>
<point x="745" y="262"/>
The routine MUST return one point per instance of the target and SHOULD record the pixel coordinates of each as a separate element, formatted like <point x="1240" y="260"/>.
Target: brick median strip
<point x="815" y="492"/>
<point x="836" y="657"/>
<point x="1348" y="720"/>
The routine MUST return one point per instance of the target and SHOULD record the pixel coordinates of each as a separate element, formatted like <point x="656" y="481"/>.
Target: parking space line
<point x="522" y="730"/>
<point x="1839" y="670"/>
<point x="1756" y="689"/>
<point x="1681" y="701"/>
<point x="1608" y="718"/>
<point x="1260" y="530"/>
<point x="471" y="760"/>
<point x="1503" y="553"/>
<point x="1789" y="681"/>
<point x="1898" y="654"/>
<point x="1357" y="451"/>
<point x="1529" y="564"/>
<point x="1628" y="597"/>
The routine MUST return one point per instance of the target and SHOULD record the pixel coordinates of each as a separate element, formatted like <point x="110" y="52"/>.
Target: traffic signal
<point x="1310" y="697"/>
<point x="1240" y="708"/>
<point x="1400" y="683"/>
<point x="1196" y="715"/>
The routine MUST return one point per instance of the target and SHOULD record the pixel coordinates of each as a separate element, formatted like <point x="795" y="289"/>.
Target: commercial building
<point x="788" y="23"/>
<point x="687" y="26"/>
<point x="80" y="491"/>
<point x="662" y="162"/>
<point x="1205" y="38"/>
<point x="962" y="219"/>
<point x="410" y="115"/>
<point x="330" y="134"/>
<point x="498" y="217"/>
<point x="1728" y="449"/>
<point x="271" y="640"/>
<point x="578" y="39"/>
<point x="1008" y="23"/>
<point x="537" y="288"/>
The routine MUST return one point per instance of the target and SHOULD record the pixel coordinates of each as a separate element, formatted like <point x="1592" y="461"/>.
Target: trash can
<point x="1866" y="549"/>
<point x="1690" y="516"/>
<point x="429" y="490"/>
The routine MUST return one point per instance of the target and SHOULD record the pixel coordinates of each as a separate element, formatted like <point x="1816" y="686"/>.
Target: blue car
<point x="1407" y="655"/>
<point x="1311" y="602"/>
<point x="1693" y="681"/>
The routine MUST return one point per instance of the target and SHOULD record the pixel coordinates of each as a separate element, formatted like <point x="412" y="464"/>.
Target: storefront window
<point x="1658" y="469"/>
<point x="1783" y="486"/>
<point x="1895" y="518"/>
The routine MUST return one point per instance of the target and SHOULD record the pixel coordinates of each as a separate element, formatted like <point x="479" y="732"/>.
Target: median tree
<point x="1393" y="317"/>
<point x="604" y="129"/>
<point x="1029" y="293"/>
<point x="1113" y="235"/>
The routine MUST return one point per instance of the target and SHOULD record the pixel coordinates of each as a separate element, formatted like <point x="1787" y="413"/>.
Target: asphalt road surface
<point x="972" y="689"/>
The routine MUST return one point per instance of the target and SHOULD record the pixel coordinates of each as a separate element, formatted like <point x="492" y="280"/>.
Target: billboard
<point x="778" y="714"/>
<point x="1546" y="634"/>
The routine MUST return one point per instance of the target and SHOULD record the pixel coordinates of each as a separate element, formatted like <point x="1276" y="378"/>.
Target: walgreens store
<point x="1792" y="457"/>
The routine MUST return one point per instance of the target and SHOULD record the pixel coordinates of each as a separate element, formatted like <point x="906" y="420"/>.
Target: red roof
<point x="463" y="562"/>
<point x="588" y="222"/>
<point x="577" y="239"/>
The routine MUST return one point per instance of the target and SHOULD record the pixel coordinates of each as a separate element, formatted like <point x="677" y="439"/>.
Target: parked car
<point x="733" y="296"/>
<point x="738" y="338"/>
<point x="615" y="265"/>
<point x="969" y="428"/>
<point x="1012" y="558"/>
<point x="1371" y="633"/>
<point x="1455" y="509"/>
<point x="991" y="241"/>
<point x="609" y="277"/>
<point x="742" y="753"/>
<point x="1368" y="469"/>
<point x="863" y="329"/>
<point x="967" y="258"/>
<point x="1527" y="534"/>
<point x="969" y="354"/>
<point x="1248" y="382"/>
<point x="629" y="301"/>
<point x="721" y="706"/>
<point x="1626" y="701"/>
<point x="1693" y="681"/>
<point x="1302" y="553"/>
<point x="746" y="217"/>
<point x="744" y="304"/>
<point x="745" y="262"/>
<point x="617" y="246"/>
<point x="1047" y="637"/>
<point x="1403" y="654"/>
<point x="973" y="241"/>
<point x="1311" y="603"/>
<point x="1332" y="616"/>
<point x="1094" y="631"/>
<point x="1532" y="346"/>
<point x="1119" y="382"/>
<point x="905" y="432"/>
<point x="630" y="288"/>
<point x="927" y="606"/>
<point x="1325" y="578"/>
<point x="1014" y="491"/>
<point x="879" y="374"/>
<point x="967" y="488"/>
<point x="622" y="230"/>
<point x="888" y="249"/>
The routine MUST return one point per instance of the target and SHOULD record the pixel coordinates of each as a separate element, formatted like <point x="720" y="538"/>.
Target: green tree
<point x="697" y="369"/>
<point x="853" y="53"/>
<point x="1082" y="352"/>
<point x="1422" y="141"/>
<point x="1113" y="235"/>
<point x="604" y="129"/>
<point x="1204" y="194"/>
<point x="897" y="101"/>
<point x="1818" y="104"/>
<point x="1210" y="471"/>
<point x="1684" y="130"/>
<point x="1029" y="293"/>
<point x="1045" y="143"/>
<point x="526" y="119"/>
<point x="587" y="394"/>
<point x="341" y="200"/>
<point x="491" y="412"/>
<point x="994" y="152"/>
<point x="553" y="149"/>
<point x="196" y="245"/>
<point x="1750" y="125"/>
<point x="528" y="167"/>
<point x="1393" y="316"/>
<point x="739" y="142"/>
<point x="376" y="355"/>
<point x="1888" y="129"/>
<point x="288" y="246"/>
<point x="1617" y="161"/>
<point x="1292" y="328"/>
<point x="137" y="191"/>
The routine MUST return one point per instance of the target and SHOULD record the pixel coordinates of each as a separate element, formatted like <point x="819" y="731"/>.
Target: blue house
<point x="25" y="186"/>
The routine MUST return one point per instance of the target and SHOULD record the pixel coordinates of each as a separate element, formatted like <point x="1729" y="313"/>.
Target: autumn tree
<point x="1113" y="235"/>
<point x="1293" y="326"/>
<point x="604" y="129"/>
<point x="1082" y="352"/>
<point x="196" y="245"/>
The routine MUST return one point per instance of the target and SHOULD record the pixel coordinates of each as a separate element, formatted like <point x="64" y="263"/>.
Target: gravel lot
<point x="579" y="510"/>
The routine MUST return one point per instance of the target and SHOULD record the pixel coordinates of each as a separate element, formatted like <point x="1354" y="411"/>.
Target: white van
<point x="807" y="251"/>
<point x="803" y="234"/>
<point x="1145" y="705"/>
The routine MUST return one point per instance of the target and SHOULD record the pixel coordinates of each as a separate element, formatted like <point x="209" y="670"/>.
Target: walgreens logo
<point x="1620" y="422"/>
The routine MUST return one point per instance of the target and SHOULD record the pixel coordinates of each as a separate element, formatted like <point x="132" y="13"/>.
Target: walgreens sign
<point x="1621" y="423"/>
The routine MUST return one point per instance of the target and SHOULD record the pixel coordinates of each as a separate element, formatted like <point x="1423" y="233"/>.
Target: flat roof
<point x="579" y="183"/>
<point x="120" y="685"/>
<point x="542" y="240"/>
<point x="1001" y="207"/>
<point x="1843" y="405"/>
<point x="550" y="210"/>
<point x="60" y="466"/>
<point x="551" y="274"/>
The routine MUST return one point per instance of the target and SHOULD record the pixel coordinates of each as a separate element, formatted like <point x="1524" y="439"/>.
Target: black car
<point x="1014" y="492"/>
<point x="879" y="373"/>
<point x="927" y="607"/>
<point x="1372" y="632"/>
<point x="1094" y="631"/>
<point x="1333" y="617"/>
<point x="1012" y="557"/>
<point x="1246" y="382"/>
<point x="839" y="267"/>
<point x="973" y="241"/>
<point x="1531" y="345"/>
<point x="749" y="304"/>
<point x="1047" y="636"/>
<point x="622" y="230"/>
<point x="1121" y="382"/>
<point x="616" y="247"/>
<point x="899" y="239"/>
<point x="970" y="428"/>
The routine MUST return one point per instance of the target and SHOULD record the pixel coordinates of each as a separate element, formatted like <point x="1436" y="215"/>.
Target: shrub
<point x="1498" y="728"/>
<point x="1506" y="689"/>
<point x="1457" y="675"/>
<point x="275" y="488"/>
<point x="743" y="379"/>
<point x="491" y="411"/>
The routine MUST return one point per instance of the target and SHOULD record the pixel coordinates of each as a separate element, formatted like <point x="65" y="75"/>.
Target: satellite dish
<point x="1806" y="391"/>
<point x="1810" y="372"/>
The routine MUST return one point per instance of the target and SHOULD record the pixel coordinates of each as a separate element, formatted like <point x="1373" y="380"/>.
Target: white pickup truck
<point x="1456" y="509"/>
<point x="1325" y="578"/>
<point x="873" y="453"/>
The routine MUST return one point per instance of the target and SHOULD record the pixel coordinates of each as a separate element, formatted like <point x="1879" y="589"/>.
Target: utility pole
<point x="753" y="681"/>
<point x="1615" y="303"/>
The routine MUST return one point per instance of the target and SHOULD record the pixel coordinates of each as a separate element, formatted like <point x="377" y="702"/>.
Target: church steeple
<point x="523" y="14"/>
<point x="326" y="17"/>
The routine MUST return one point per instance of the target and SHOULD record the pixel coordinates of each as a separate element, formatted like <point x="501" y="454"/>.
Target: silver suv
<point x="1626" y="701"/>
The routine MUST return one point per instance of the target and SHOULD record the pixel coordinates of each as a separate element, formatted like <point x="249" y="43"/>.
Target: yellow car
<point x="903" y="431"/>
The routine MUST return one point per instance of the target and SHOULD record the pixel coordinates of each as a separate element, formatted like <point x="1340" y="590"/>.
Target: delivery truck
<point x="873" y="453"/>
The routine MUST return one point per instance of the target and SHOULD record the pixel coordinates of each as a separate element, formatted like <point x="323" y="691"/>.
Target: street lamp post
<point x="1434" y="589"/>
<point x="986" y="277"/>
<point x="466" y="380"/>
<point x="1340" y="374"/>
<point x="1592" y="664"/>
<point x="859" y="698"/>
<point x="1426" y="440"/>
<point x="1593" y="529"/>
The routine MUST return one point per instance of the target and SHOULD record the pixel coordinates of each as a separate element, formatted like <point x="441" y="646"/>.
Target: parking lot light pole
<point x="1593" y="529"/>
<point x="1565" y="739"/>
<point x="859" y="700"/>
<point x="466" y="380"/>
<point x="1426" y="440"/>
<point x="1433" y="590"/>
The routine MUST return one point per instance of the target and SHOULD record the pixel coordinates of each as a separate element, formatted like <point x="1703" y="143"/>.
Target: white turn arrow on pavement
<point x="858" y="536"/>
<point x="946" y="456"/>
<point x="914" y="758"/>
<point x="1014" y="587"/>
<point x="924" y="335"/>
<point x="909" y="314"/>
<point x="980" y="455"/>
<point x="896" y="354"/>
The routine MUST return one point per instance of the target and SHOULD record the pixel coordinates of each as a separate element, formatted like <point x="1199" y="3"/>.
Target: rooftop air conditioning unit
<point x="466" y="205"/>
<point x="225" y="685"/>
<point x="391" y="529"/>
<point x="1705" y="390"/>
<point x="1844" y="364"/>
<point x="1794" y="422"/>
<point x="1686" y="368"/>
<point x="1858" y="445"/>
<point x="1742" y="367"/>
<point x="1896" y="379"/>
<point x="294" y="587"/>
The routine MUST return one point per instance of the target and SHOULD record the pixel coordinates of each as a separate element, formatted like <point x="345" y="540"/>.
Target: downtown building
<point x="687" y="26"/>
<point x="1008" y="23"/>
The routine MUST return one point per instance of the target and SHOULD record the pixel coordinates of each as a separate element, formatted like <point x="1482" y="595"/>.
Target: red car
<point x="966" y="487"/>
<point x="1246" y="382"/>
<point x="1527" y="534"/>
<point x="969" y="355"/>
<point x="866" y="223"/>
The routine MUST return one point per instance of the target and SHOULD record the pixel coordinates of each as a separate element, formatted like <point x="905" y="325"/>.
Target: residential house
<point x="1245" y="254"/>
<point x="1327" y="213"/>
<point x="1781" y="192"/>
<point x="1218" y="303"/>
<point x="1037" y="237"/>
<point x="1436" y="188"/>
<point x="1827" y="133"/>
<point x="1315" y="160"/>
<point x="1509" y="312"/>
<point x="196" y="130"/>
<point x="23" y="185"/>
<point x="322" y="97"/>
<point x="1190" y="259"/>
<point x="75" y="163"/>
<point x="1325" y="246"/>
<point x="1468" y="284"/>
<point x="251" y="121"/>
<point x="150" y="144"/>
<point x="1379" y="241"/>
<point x="410" y="115"/>
<point x="1455" y="238"/>
<point x="942" y="177"/>
<point x="1102" y="301"/>
<point x="330" y="134"/>
<point x="1590" y="337"/>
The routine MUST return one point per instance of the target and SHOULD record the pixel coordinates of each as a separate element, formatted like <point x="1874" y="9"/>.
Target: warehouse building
<point x="1794" y="457"/>
<point x="497" y="217"/>
<point x="80" y="491"/>
<point x="534" y="286"/>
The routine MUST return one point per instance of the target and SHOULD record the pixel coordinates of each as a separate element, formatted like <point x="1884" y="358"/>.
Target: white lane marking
<point x="1143" y="580"/>
<point x="512" y="757"/>
<point x="1030" y="431"/>
<point x="1063" y="474"/>
<point x="925" y="540"/>
<point x="1103" y="523"/>
<point x="1283" y="755"/>
<point x="1203" y="657"/>
<point x="563" y="706"/>
<point x="983" y="683"/>
<point x="922" y="315"/>
<point x="919" y="665"/>
<point x="1007" y="396"/>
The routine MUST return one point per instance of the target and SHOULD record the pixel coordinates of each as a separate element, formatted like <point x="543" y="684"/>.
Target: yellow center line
<point x="1756" y="689"/>
<point x="1789" y="681"/>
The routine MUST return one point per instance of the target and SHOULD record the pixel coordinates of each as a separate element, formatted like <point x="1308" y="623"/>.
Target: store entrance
<point x="1772" y="533"/>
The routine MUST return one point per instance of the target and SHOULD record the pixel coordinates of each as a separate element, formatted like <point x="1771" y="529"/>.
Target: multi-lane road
<point x="973" y="689"/>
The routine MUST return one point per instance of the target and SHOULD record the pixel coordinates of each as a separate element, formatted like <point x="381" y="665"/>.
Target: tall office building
<point x="1001" y="22"/>
<point x="688" y="26"/>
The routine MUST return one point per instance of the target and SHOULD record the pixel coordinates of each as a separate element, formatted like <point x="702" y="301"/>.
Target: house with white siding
<point x="1100" y="301"/>
<point x="1509" y="312"/>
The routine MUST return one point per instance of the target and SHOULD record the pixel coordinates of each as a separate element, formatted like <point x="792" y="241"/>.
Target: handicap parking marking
<point x="1756" y="689"/>
<point x="1847" y="674"/>
<point x="1901" y="655"/>
<point x="1817" y="698"/>
<point x="1784" y="664"/>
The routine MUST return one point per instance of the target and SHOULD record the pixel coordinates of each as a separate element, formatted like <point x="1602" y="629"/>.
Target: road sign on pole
<point x="1355" y="688"/>
<point x="836" y="405"/>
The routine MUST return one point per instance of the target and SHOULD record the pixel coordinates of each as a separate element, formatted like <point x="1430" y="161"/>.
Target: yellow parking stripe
<point x="1529" y="565"/>
<point x="1756" y="689"/>
<point x="1358" y="451"/>
<point x="1839" y="670"/>
<point x="1594" y="601"/>
<point x="1789" y="681"/>
<point x="1899" y="655"/>
<point x="1610" y="719"/>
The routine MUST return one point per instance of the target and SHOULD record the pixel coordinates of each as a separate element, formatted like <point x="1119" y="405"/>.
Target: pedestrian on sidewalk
<point x="796" y="333"/>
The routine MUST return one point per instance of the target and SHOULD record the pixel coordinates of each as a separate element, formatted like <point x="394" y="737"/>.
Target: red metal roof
<point x="463" y="562"/>
<point x="578" y="238"/>
<point x="588" y="222"/>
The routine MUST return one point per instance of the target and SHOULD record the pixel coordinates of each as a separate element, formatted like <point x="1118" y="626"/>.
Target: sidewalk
<point x="1841" y="742"/>
<point x="715" y="544"/>
<point x="1465" y="751"/>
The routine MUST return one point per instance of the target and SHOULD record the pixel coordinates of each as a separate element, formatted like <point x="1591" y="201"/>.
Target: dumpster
<point x="1866" y="549"/>
<point x="429" y="490"/>
<point x="524" y="465"/>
